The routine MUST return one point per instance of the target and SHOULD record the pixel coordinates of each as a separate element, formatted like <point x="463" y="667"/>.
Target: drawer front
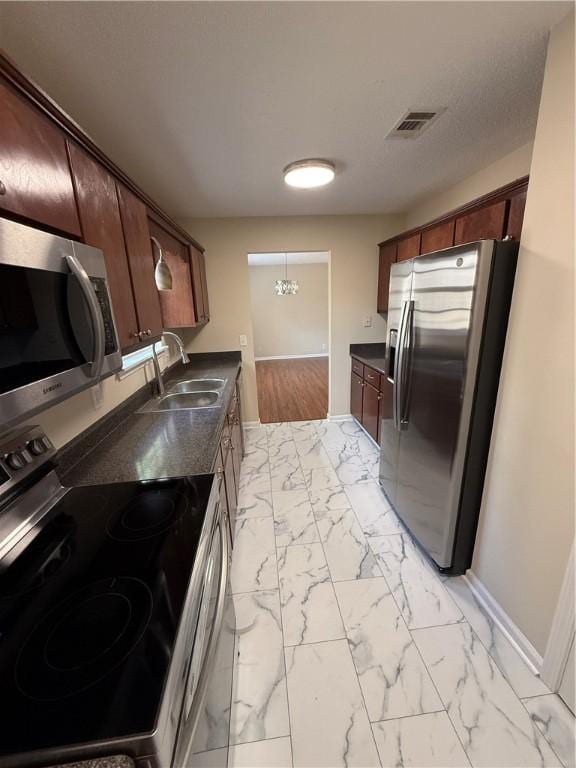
<point x="372" y="377"/>
<point x="357" y="367"/>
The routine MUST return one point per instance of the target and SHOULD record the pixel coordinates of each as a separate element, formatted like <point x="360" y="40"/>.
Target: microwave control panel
<point x="111" y="345"/>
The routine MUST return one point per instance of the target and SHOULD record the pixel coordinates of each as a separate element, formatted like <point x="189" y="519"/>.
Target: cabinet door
<point x="197" y="279"/>
<point x="204" y="283"/>
<point x="387" y="257"/>
<point x="141" y="261"/>
<point x="516" y="215"/>
<point x="200" y="285"/>
<point x="408" y="248"/>
<point x="178" y="304"/>
<point x="438" y="237"/>
<point x="34" y="171"/>
<point x="235" y="438"/>
<point x="356" y="391"/>
<point x="102" y="228"/>
<point x="484" y="224"/>
<point x="370" y="410"/>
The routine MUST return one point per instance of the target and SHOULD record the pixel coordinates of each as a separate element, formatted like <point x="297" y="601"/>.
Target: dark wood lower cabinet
<point x="370" y="410"/>
<point x="356" y="392"/>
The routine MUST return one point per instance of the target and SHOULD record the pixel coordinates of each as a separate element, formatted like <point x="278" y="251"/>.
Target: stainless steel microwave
<point x="57" y="330"/>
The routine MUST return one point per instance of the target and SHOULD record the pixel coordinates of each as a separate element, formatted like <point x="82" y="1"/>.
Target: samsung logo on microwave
<point x="46" y="390"/>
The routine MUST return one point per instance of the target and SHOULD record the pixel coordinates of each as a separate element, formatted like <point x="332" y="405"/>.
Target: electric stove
<point x="95" y="590"/>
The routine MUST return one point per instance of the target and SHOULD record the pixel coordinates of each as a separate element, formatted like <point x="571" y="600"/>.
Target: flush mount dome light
<point x="307" y="174"/>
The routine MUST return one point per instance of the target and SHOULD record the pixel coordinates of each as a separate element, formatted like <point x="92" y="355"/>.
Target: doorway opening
<point x="290" y="320"/>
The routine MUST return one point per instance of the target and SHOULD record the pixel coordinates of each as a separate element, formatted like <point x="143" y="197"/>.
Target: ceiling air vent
<point x="414" y="123"/>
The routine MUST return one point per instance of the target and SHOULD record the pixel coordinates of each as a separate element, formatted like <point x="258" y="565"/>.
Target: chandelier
<point x="286" y="287"/>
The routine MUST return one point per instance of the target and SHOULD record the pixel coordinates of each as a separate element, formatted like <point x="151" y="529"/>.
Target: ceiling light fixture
<point x="308" y="174"/>
<point x="286" y="287"/>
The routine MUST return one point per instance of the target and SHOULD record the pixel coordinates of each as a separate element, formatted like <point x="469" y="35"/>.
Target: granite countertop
<point x="370" y="354"/>
<point x="126" y="446"/>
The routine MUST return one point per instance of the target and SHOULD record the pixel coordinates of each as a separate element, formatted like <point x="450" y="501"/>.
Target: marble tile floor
<point x="350" y="648"/>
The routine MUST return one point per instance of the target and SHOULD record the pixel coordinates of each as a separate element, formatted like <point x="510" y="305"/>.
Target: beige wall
<point x="290" y="325"/>
<point x="527" y="520"/>
<point x="353" y="274"/>
<point x="509" y="168"/>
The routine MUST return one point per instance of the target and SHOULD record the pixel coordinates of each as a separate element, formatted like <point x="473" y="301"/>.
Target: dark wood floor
<point x="292" y="390"/>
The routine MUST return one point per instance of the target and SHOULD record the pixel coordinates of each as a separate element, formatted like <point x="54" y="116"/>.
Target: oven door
<point x="205" y="714"/>
<point x="57" y="333"/>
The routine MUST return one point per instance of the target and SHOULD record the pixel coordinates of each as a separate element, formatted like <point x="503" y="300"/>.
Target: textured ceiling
<point x="203" y="104"/>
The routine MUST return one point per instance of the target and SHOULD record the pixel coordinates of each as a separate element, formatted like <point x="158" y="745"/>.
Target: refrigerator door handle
<point x="396" y="394"/>
<point x="405" y="382"/>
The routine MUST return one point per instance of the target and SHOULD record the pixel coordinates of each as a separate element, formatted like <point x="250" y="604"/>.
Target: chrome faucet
<point x="157" y="371"/>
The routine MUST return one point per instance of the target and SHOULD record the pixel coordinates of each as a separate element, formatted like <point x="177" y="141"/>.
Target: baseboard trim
<point x="342" y="417"/>
<point x="292" y="357"/>
<point x="248" y="424"/>
<point x="513" y="633"/>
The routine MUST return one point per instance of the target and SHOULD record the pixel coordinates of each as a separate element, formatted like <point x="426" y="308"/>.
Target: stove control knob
<point x="15" y="461"/>
<point x="36" y="447"/>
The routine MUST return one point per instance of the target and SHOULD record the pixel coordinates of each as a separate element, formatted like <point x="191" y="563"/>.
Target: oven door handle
<point x="96" y="319"/>
<point x="210" y="656"/>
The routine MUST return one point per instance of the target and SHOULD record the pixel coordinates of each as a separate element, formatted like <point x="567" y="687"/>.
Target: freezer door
<point x="445" y="331"/>
<point x="398" y="298"/>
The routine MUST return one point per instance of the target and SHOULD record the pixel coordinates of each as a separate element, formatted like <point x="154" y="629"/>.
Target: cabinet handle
<point x="226" y="441"/>
<point x="220" y="471"/>
<point x="379" y="397"/>
<point x="134" y="335"/>
<point x="2" y="188"/>
<point x="148" y="332"/>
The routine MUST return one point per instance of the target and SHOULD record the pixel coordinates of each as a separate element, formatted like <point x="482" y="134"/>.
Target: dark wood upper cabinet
<point x="35" y="177"/>
<point x="141" y="261"/>
<point x="356" y="392"/>
<point x="438" y="237"/>
<point x="408" y="247"/>
<point x="102" y="227"/>
<point x="178" y="304"/>
<point x="484" y="224"/>
<point x="492" y="216"/>
<point x="516" y="215"/>
<point x="387" y="257"/>
<point x="199" y="285"/>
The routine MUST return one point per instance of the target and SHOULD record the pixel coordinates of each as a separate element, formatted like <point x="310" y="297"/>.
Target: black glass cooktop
<point x="90" y="610"/>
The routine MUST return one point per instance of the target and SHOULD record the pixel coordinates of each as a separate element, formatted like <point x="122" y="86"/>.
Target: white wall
<point x="353" y="276"/>
<point x="290" y="325"/>
<point x="527" y="520"/>
<point x="508" y="168"/>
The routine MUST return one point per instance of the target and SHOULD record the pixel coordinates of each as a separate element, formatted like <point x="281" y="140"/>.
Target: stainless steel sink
<point x="197" y="385"/>
<point x="182" y="401"/>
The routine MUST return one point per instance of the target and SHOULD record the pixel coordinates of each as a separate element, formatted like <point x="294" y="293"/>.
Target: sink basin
<point x="197" y="385"/>
<point x="182" y="401"/>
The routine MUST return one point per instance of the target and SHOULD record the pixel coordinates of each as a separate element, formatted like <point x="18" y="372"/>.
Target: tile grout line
<point x="345" y="638"/>
<point x="534" y="725"/>
<point x="283" y="651"/>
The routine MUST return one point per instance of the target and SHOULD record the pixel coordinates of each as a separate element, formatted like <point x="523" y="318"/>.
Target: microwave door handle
<point x="210" y="656"/>
<point x="95" y="313"/>
<point x="397" y="387"/>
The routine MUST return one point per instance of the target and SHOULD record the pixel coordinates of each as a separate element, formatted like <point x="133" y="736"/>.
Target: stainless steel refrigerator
<point x="447" y="319"/>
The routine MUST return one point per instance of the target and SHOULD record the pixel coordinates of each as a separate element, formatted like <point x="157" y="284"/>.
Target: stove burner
<point x="83" y="639"/>
<point x="150" y="513"/>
